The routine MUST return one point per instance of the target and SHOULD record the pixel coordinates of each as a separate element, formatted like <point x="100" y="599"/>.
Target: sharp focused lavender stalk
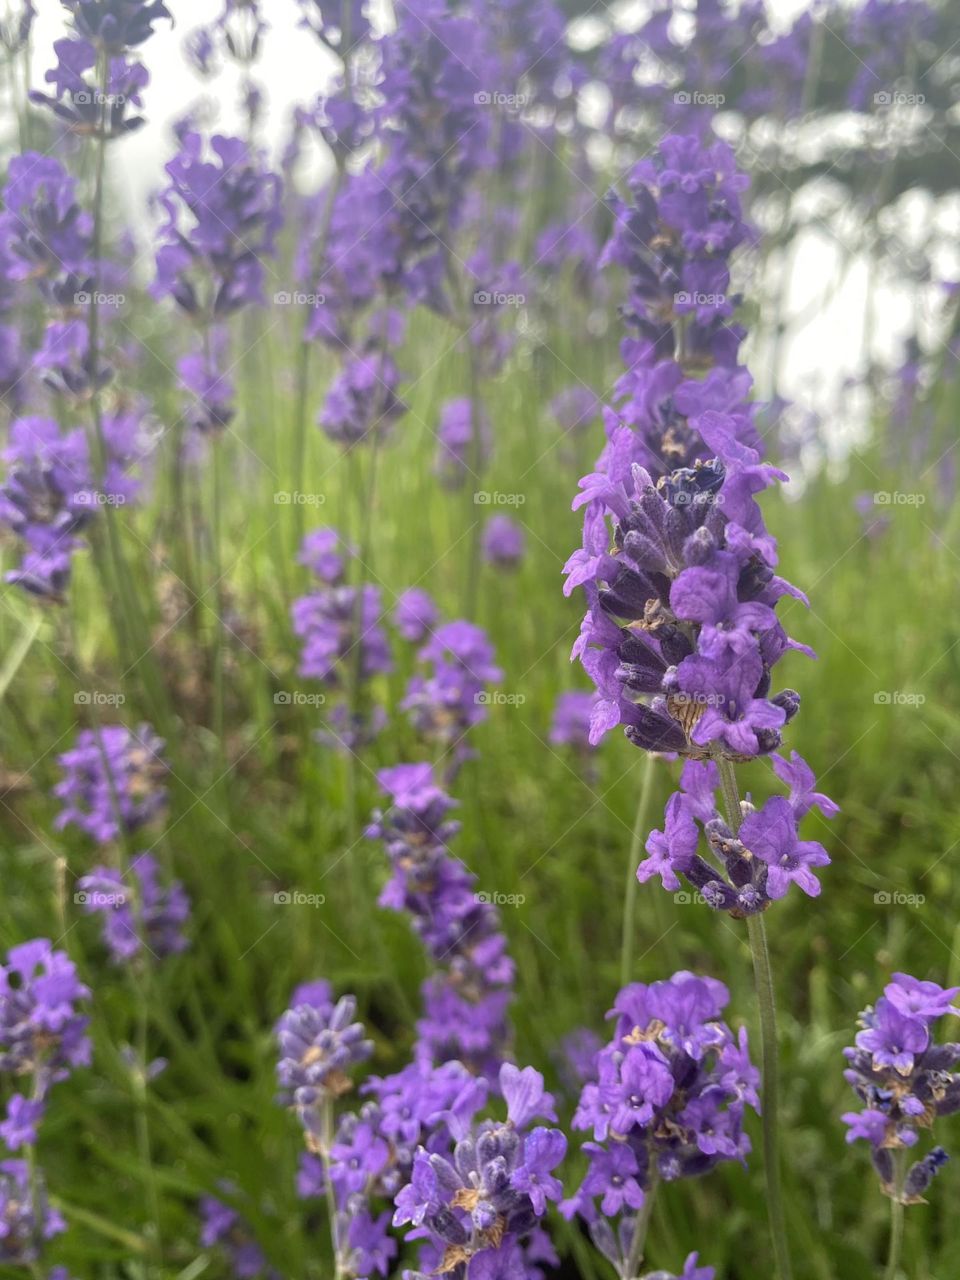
<point x="681" y="636"/>
<point x="906" y="1081"/>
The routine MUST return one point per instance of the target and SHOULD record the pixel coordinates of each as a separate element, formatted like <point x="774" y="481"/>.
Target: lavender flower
<point x="139" y="912"/>
<point x="362" y="402"/>
<point x="415" y="615"/>
<point x="115" y="25"/>
<point x="479" y="1201"/>
<point x="340" y="626"/>
<point x="42" y="1032"/>
<point x="318" y="1046"/>
<point x="223" y="215"/>
<point x="451" y="699"/>
<point x="905" y="1081"/>
<point x="504" y="542"/>
<point x="26" y="1217"/>
<point x="575" y="408"/>
<point x="465" y="1003"/>
<point x="666" y="1101"/>
<point x="222" y="1226"/>
<point x="113" y="781"/>
<point x="324" y="553"/>
<point x="572" y="717"/>
<point x="461" y="449"/>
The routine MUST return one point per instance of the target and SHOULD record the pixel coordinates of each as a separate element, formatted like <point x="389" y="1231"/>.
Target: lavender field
<point x="479" y="640"/>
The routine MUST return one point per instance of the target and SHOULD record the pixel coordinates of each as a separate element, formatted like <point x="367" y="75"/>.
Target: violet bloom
<point x="446" y="703"/>
<point x="466" y="1001"/>
<point x="113" y="781"/>
<point x="339" y="627"/>
<point x="504" y="542"/>
<point x="210" y="390"/>
<point x="26" y="1215"/>
<point x="477" y="1202"/>
<point x="415" y="615"/>
<point x="139" y="912"/>
<point x="325" y="554"/>
<point x="575" y="409"/>
<point x="362" y="402"/>
<point x="115" y="25"/>
<point x="223" y="215"/>
<point x="318" y="1046"/>
<point x="462" y="449"/>
<point x="572" y="717"/>
<point x="221" y="1226"/>
<point x="747" y="870"/>
<point x="667" y="1094"/>
<point x="42" y="1030"/>
<point x="78" y="98"/>
<point x="904" y="1079"/>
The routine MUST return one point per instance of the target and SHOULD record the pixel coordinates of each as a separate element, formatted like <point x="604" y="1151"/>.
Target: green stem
<point x="896" y="1220"/>
<point x="144" y="1145"/>
<point x="640" y="830"/>
<point x="326" y="1142"/>
<point x="641" y="1227"/>
<point x="763" y="980"/>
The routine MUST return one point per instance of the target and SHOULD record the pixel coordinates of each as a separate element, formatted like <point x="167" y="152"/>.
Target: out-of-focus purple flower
<point x="222" y="1226"/>
<point x="572" y="717"/>
<point x="341" y="24"/>
<point x="576" y="408"/>
<point x="223" y="215"/>
<point x="341" y="627"/>
<point x="415" y="615"/>
<point x="19" y="1129"/>
<point x="139" y="912"/>
<point x="210" y="389"/>
<point x="115" y="25"/>
<point x="362" y="402"/>
<point x="113" y="781"/>
<point x="324" y="553"/>
<point x="461" y="450"/>
<point x="42" y="1031"/>
<point x="904" y="1079"/>
<point x="466" y="1001"/>
<point x="27" y="1216"/>
<point x="80" y="98"/>
<point x="504" y="542"/>
<point x="451" y="699"/>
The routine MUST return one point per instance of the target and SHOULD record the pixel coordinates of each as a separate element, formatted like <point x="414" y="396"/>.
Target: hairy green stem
<point x="326" y="1142"/>
<point x="640" y="830"/>
<point x="641" y="1227"/>
<point x="763" y="979"/>
<point x="896" y="1220"/>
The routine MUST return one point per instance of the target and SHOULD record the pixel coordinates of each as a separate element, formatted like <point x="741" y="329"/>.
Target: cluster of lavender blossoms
<point x="43" y="1037"/>
<point x="466" y="1000"/>
<point x="665" y="1100"/>
<point x="681" y="636"/>
<point x="448" y="701"/>
<point x="905" y="1081"/>
<point x="345" y="644"/>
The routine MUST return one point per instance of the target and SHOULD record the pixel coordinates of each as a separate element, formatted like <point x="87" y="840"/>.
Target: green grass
<point x="263" y="808"/>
